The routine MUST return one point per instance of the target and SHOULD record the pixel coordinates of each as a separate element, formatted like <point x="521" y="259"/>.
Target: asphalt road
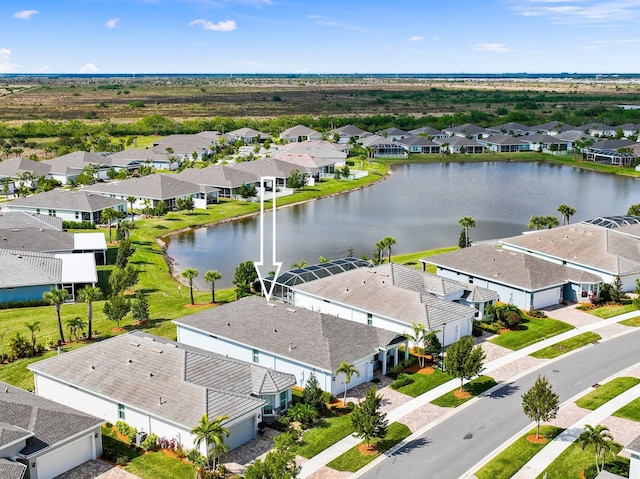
<point x="454" y="446"/>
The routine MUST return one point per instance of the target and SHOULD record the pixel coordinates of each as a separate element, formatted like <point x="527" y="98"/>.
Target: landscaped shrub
<point x="78" y="225"/>
<point x="536" y="313"/>
<point x="281" y="424"/>
<point x="193" y="456"/>
<point x="108" y="425"/>
<point x="128" y="431"/>
<point x="403" y="380"/>
<point x="25" y="304"/>
<point x="109" y="454"/>
<point x="150" y="442"/>
<point x="168" y="443"/>
<point x="121" y="461"/>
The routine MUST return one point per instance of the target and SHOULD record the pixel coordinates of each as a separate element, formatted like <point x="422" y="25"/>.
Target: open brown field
<point x="128" y="99"/>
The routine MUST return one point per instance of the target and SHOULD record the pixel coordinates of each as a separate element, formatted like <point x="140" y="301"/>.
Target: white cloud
<point x="89" y="68"/>
<point x="5" y="65"/>
<point x="112" y="23"/>
<point x="584" y="12"/>
<point x="25" y="14"/>
<point x="491" y="47"/>
<point x="222" y="26"/>
<point x="416" y="38"/>
<point x="346" y="26"/>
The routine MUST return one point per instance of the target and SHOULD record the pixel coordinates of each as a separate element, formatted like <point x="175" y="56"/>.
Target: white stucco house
<point x="41" y="439"/>
<point x="293" y="340"/>
<point x="162" y="387"/>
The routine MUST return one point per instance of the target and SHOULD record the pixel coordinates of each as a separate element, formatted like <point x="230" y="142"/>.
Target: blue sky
<point x="319" y="36"/>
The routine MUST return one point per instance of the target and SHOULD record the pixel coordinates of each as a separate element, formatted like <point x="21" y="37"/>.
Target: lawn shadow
<point x="504" y="391"/>
<point x="410" y="446"/>
<point x="160" y="227"/>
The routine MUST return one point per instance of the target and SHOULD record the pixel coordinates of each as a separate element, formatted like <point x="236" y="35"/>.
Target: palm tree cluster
<point x="384" y="244"/>
<point x="210" y="277"/>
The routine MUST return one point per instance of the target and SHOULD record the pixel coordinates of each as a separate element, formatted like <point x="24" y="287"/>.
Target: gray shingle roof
<point x="349" y="130"/>
<point x="156" y="187"/>
<point x="300" y="130"/>
<point x="383" y="291"/>
<point x="124" y="157"/>
<point x="14" y="167"/>
<point x="25" y="268"/>
<point x="73" y="162"/>
<point x="80" y="200"/>
<point x="23" y="219"/>
<point x="503" y="140"/>
<point x="427" y="130"/>
<point x="417" y="141"/>
<point x="36" y="239"/>
<point x="466" y="129"/>
<point x="49" y="421"/>
<point x="11" y="470"/>
<point x="218" y="176"/>
<point x="315" y="339"/>
<point x="507" y="267"/>
<point x="183" y="144"/>
<point x="612" y="144"/>
<point x="602" y="249"/>
<point x="162" y="377"/>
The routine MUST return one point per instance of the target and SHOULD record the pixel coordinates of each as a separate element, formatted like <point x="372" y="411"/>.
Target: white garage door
<point x="66" y="457"/>
<point x="546" y="298"/>
<point x="241" y="433"/>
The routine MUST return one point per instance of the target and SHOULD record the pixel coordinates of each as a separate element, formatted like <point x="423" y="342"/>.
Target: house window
<point x="77" y="215"/>
<point x="283" y="400"/>
<point x="470" y="279"/>
<point x="256" y="356"/>
<point x="37" y="211"/>
<point x="267" y="408"/>
<point x="121" y="411"/>
<point x="369" y="319"/>
<point x="52" y="212"/>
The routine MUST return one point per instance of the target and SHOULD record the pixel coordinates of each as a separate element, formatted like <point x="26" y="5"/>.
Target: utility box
<point x="140" y="436"/>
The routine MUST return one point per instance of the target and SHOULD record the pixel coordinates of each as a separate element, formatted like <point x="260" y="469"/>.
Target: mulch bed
<point x="537" y="440"/>
<point x="461" y="394"/>
<point x="367" y="451"/>
<point x="197" y="305"/>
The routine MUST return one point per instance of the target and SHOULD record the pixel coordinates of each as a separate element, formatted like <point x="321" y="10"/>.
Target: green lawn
<point x="474" y="387"/>
<point x="424" y="382"/>
<point x="630" y="411"/>
<point x="325" y="434"/>
<point x="567" y="345"/>
<point x="574" y="460"/>
<point x="633" y="322"/>
<point x="610" y="311"/>
<point x="532" y="330"/>
<point x="516" y="455"/>
<point x="606" y="392"/>
<point x="153" y="465"/>
<point x="352" y="460"/>
<point x="413" y="259"/>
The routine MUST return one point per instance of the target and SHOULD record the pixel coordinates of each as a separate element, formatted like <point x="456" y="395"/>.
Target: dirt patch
<point x="117" y="330"/>
<point x="461" y="394"/>
<point x="426" y="370"/>
<point x="367" y="451"/>
<point x="537" y="440"/>
<point x="197" y="305"/>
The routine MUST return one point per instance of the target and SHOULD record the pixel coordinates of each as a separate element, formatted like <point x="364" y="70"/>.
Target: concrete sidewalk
<point x="405" y="410"/>
<point x="551" y="451"/>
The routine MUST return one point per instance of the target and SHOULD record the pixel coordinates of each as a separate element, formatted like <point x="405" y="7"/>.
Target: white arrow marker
<point x="271" y="264"/>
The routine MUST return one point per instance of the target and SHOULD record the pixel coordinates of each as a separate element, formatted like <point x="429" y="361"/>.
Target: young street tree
<point x="540" y="403"/>
<point x="189" y="274"/>
<point x="57" y="297"/>
<point x="117" y="308"/>
<point x="212" y="277"/>
<point x="467" y="222"/>
<point x="463" y="361"/>
<point x="348" y="370"/>
<point x="367" y="420"/>
<point x="140" y="307"/>
<point x="279" y="463"/>
<point x="313" y="394"/>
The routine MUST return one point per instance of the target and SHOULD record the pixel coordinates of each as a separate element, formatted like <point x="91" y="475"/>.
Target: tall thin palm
<point x="33" y="329"/>
<point x="567" y="212"/>
<point x="108" y="215"/>
<point x="189" y="274"/>
<point x="57" y="297"/>
<point x="212" y="434"/>
<point x="348" y="370"/>
<point x="131" y="200"/>
<point x="417" y="335"/>
<point x="388" y="242"/>
<point x="601" y="439"/>
<point x="89" y="294"/>
<point x="212" y="277"/>
<point x="467" y="222"/>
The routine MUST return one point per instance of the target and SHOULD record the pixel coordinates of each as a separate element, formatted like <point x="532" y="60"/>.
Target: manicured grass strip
<point x="352" y="460"/>
<point x="630" y="411"/>
<point x="606" y="312"/>
<point x="147" y="466"/>
<point x="325" y="434"/>
<point x="633" y="322"/>
<point x="474" y="387"/>
<point x="424" y="382"/>
<point x="516" y="455"/>
<point x="599" y="396"/>
<point x="532" y="330"/>
<point x="574" y="460"/>
<point x="413" y="259"/>
<point x="567" y="345"/>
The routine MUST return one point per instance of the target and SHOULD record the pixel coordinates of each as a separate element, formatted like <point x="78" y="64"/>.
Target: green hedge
<point x="78" y="225"/>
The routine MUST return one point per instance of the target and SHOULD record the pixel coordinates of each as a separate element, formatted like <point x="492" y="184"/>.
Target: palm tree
<point x="89" y="294"/>
<point x="566" y="211"/>
<point x="33" y="329"/>
<point x="348" y="370"/>
<point x="379" y="249"/>
<point x="108" y="215"/>
<point x="212" y="277"/>
<point x="189" y="274"/>
<point x="467" y="222"/>
<point x="76" y="326"/>
<point x="212" y="434"/>
<point x="388" y="241"/>
<point x="417" y="336"/>
<point x="131" y="200"/>
<point x="57" y="297"/>
<point x="602" y="440"/>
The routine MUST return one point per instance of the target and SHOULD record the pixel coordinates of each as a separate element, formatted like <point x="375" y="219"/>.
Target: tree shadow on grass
<point x="479" y="387"/>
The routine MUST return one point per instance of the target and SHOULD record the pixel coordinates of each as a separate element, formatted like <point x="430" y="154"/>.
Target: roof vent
<point x="134" y="344"/>
<point x="93" y="367"/>
<point x="6" y="390"/>
<point x="291" y="310"/>
<point x="275" y="330"/>
<point x="271" y="305"/>
<point x="228" y="324"/>
<point x="129" y="360"/>
<point x="150" y="375"/>
<point x="159" y="351"/>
